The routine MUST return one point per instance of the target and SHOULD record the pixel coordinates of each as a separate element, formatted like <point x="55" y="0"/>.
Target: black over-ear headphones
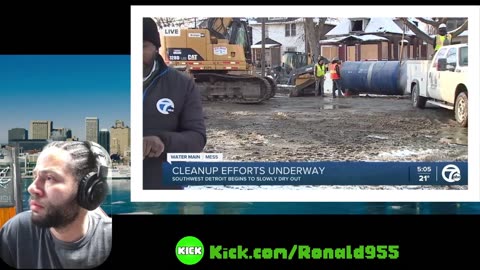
<point x="93" y="187"/>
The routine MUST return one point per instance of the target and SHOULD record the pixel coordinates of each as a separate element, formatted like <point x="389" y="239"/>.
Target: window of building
<point x="290" y="30"/>
<point x="357" y="25"/>
<point x="454" y="24"/>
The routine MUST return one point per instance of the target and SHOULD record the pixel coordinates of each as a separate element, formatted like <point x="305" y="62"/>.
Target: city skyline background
<point x="64" y="89"/>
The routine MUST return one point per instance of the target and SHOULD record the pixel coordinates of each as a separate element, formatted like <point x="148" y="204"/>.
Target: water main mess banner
<point x="186" y="173"/>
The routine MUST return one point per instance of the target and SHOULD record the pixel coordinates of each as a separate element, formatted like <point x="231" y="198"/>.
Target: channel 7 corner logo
<point x="451" y="173"/>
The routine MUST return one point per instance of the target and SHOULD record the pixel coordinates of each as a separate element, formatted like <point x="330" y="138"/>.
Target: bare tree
<point x="163" y="22"/>
<point x="314" y="33"/>
<point x="433" y="23"/>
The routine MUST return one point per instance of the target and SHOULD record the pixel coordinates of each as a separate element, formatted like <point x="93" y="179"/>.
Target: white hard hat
<point x="442" y="26"/>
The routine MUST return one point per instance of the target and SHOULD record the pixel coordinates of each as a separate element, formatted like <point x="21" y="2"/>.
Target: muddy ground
<point x="310" y="128"/>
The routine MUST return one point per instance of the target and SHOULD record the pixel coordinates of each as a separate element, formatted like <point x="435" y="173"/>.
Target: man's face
<point x="149" y="53"/>
<point x="53" y="191"/>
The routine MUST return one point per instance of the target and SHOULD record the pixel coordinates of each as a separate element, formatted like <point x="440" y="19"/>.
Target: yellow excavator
<point x="218" y="56"/>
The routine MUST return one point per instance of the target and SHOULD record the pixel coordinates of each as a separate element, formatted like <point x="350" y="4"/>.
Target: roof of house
<point x="267" y="46"/>
<point x="375" y="25"/>
<point x="269" y="41"/>
<point x="368" y="37"/>
<point x="257" y="21"/>
<point x="385" y="25"/>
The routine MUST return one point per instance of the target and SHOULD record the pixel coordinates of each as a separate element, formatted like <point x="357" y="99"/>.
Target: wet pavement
<point x="310" y="128"/>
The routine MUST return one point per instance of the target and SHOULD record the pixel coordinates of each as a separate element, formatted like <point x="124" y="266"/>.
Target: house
<point x="272" y="53"/>
<point x="375" y="38"/>
<point x="289" y="32"/>
<point x="355" y="39"/>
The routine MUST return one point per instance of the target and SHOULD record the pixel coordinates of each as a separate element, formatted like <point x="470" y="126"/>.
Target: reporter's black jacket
<point x="172" y="110"/>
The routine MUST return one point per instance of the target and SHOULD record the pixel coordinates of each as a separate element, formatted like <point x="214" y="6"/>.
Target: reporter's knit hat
<point x="150" y="32"/>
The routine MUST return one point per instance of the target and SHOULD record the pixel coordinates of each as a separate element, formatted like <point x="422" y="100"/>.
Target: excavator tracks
<point x="273" y="84"/>
<point x="245" y="89"/>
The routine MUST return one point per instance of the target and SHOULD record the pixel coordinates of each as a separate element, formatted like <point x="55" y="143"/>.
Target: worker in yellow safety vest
<point x="442" y="38"/>
<point x="320" y="70"/>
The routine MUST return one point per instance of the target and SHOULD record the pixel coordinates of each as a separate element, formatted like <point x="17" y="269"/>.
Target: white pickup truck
<point x="442" y="81"/>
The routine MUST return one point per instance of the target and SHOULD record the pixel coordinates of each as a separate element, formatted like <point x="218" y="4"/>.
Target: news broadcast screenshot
<point x="298" y="137"/>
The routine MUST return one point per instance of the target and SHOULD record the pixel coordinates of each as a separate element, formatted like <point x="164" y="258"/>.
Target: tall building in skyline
<point x="104" y="139"/>
<point x="61" y="134"/>
<point x="40" y="129"/>
<point x="57" y="136"/>
<point x="92" y="129"/>
<point x="24" y="146"/>
<point x="16" y="134"/>
<point x="119" y="139"/>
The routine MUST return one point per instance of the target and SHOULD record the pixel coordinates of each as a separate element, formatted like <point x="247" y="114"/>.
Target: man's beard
<point x="57" y="216"/>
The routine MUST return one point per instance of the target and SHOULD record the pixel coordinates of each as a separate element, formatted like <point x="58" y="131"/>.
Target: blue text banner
<point x="315" y="173"/>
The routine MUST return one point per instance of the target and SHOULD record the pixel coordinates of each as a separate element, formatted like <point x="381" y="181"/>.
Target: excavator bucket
<point x="303" y="86"/>
<point x="304" y="81"/>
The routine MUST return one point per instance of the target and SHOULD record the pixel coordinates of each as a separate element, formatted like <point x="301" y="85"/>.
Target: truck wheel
<point x="461" y="109"/>
<point x="417" y="100"/>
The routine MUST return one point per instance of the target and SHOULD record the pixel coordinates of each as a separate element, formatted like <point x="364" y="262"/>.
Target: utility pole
<point x="306" y="36"/>
<point x="263" y="47"/>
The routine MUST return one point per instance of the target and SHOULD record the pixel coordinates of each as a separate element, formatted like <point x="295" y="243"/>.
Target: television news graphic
<point x="315" y="173"/>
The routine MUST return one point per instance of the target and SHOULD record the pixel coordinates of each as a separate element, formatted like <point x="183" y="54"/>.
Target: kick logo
<point x="189" y="250"/>
<point x="451" y="173"/>
<point x="165" y="106"/>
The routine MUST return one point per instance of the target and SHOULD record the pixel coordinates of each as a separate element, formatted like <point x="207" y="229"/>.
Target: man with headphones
<point x="65" y="226"/>
<point x="173" y="120"/>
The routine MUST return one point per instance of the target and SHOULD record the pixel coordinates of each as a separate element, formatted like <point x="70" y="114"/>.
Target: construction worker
<point x="320" y="70"/>
<point x="335" y="76"/>
<point x="442" y="38"/>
